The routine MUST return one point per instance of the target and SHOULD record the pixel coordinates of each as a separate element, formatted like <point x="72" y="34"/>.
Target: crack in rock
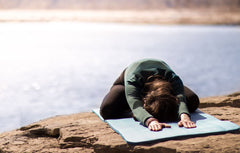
<point x="24" y="128"/>
<point x="77" y="141"/>
<point x="220" y="102"/>
<point x="131" y="149"/>
<point x="41" y="131"/>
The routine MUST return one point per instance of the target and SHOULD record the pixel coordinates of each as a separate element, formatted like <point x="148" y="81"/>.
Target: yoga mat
<point x="135" y="133"/>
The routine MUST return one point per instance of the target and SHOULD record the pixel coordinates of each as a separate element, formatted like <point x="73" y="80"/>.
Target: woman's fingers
<point x="192" y="125"/>
<point x="186" y="124"/>
<point x="180" y="124"/>
<point x="156" y="126"/>
<point x="165" y="125"/>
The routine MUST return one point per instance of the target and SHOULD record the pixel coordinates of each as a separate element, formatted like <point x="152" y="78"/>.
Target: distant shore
<point x="168" y="16"/>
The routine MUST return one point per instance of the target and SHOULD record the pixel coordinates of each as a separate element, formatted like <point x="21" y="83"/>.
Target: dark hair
<point x="158" y="99"/>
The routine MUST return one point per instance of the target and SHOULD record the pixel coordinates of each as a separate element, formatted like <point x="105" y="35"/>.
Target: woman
<point x="153" y="93"/>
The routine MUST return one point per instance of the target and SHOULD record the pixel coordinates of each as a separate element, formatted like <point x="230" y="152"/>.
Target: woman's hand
<point x="186" y="122"/>
<point x="156" y="126"/>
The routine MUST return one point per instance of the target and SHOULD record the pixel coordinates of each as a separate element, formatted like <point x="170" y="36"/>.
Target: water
<point x="55" y="68"/>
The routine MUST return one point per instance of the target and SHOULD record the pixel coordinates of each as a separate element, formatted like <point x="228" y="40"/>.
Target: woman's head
<point x="159" y="100"/>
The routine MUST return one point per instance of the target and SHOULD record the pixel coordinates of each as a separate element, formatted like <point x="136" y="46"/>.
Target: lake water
<point x="56" y="68"/>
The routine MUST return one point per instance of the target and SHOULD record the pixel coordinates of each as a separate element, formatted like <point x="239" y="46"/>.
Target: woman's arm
<point x="135" y="103"/>
<point x="178" y="90"/>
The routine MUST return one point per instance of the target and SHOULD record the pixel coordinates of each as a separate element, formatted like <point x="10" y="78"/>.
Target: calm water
<point x="49" y="69"/>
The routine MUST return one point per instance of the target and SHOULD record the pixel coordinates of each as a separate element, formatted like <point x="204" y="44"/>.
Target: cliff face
<point x="85" y="132"/>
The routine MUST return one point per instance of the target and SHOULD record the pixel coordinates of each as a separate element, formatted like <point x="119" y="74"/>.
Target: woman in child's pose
<point x="149" y="90"/>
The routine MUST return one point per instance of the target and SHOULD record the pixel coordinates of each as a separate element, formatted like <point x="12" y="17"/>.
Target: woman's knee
<point x="120" y="79"/>
<point x="192" y="99"/>
<point x="112" y="101"/>
<point x="104" y="113"/>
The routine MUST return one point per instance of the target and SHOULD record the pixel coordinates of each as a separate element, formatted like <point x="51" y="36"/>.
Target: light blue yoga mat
<point x="135" y="133"/>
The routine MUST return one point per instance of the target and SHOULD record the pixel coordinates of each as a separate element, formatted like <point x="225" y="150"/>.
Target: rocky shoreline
<point x="164" y="16"/>
<point x="86" y="133"/>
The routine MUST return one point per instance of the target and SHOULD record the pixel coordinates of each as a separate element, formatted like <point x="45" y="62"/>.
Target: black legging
<point x="115" y="104"/>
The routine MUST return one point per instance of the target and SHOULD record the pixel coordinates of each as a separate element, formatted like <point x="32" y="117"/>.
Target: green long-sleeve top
<point x="135" y="77"/>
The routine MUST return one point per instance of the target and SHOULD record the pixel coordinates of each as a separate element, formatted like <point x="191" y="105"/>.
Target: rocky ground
<point x="86" y="133"/>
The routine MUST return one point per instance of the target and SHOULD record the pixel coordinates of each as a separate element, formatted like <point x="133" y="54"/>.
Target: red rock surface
<point x="86" y="133"/>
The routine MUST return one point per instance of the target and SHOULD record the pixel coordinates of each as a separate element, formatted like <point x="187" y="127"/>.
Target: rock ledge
<point x="86" y="133"/>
